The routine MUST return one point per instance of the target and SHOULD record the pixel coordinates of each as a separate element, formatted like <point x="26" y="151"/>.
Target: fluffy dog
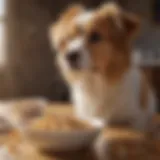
<point x="94" y="52"/>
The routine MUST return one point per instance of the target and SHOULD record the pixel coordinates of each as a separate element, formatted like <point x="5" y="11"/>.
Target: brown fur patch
<point x="63" y="24"/>
<point x="127" y="21"/>
<point x="111" y="54"/>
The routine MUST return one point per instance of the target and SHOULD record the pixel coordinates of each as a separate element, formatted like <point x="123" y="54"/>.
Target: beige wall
<point x="30" y="59"/>
<point x="29" y="55"/>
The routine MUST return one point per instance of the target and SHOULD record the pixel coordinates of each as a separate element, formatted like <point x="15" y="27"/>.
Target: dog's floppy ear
<point x="120" y="20"/>
<point x="131" y="23"/>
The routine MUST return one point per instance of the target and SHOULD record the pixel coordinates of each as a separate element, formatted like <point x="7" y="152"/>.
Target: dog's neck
<point x="91" y="94"/>
<point x="93" y="79"/>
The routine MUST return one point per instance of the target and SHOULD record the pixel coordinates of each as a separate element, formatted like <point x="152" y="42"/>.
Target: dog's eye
<point x="94" y="37"/>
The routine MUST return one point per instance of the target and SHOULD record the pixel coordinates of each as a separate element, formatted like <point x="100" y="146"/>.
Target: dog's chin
<point x="78" y="74"/>
<point x="75" y="67"/>
<point x="82" y="70"/>
<point x="72" y="72"/>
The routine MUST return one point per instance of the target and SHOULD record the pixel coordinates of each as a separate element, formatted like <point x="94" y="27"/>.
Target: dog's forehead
<point x="83" y="18"/>
<point x="69" y="28"/>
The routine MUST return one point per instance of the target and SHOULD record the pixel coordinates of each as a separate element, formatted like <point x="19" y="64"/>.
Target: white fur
<point x="76" y="44"/>
<point x="83" y="18"/>
<point x="94" y="98"/>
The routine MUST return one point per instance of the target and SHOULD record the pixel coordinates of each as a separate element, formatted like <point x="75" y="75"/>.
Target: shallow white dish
<point x="64" y="140"/>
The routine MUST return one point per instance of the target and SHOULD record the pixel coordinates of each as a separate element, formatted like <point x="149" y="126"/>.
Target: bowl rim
<point x="96" y="125"/>
<point x="77" y="131"/>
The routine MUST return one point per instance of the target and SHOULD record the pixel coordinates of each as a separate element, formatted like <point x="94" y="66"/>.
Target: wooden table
<point x="116" y="143"/>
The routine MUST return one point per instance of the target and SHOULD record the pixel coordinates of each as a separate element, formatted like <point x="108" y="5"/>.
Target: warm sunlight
<point x="2" y="32"/>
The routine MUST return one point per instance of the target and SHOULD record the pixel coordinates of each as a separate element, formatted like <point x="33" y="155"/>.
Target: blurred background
<point x="27" y="65"/>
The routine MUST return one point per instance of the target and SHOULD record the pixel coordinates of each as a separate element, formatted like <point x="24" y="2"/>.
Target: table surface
<point x="31" y="153"/>
<point x="115" y="133"/>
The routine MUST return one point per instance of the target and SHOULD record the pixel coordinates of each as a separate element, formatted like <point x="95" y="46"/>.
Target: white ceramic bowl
<point x="64" y="141"/>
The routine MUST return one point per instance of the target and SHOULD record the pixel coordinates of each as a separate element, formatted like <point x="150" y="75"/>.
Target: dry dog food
<point x="59" y="123"/>
<point x="5" y="125"/>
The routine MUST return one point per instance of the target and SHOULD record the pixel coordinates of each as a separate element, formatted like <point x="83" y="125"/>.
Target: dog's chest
<point x="93" y="97"/>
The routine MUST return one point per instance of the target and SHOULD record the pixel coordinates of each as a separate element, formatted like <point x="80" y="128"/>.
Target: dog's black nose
<point x="73" y="56"/>
<point x="73" y="59"/>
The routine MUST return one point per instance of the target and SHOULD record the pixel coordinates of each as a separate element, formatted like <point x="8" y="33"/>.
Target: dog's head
<point x="96" y="41"/>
